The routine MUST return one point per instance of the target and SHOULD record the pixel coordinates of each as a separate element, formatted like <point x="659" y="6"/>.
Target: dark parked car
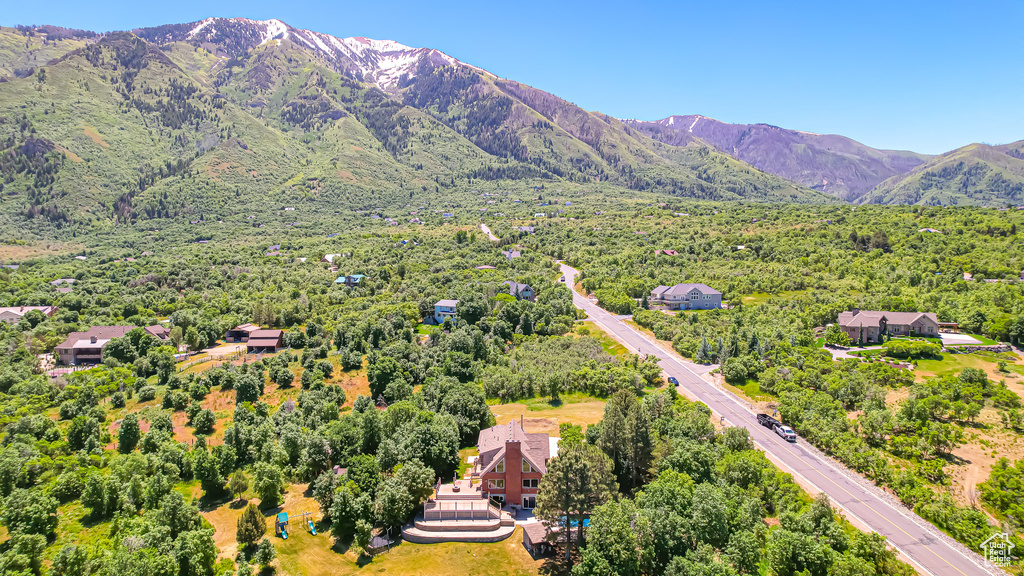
<point x="672" y="380"/>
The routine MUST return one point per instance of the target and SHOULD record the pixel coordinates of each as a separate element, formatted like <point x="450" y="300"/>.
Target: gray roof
<point x="451" y="303"/>
<point x="491" y="445"/>
<point x="516" y="287"/>
<point x="682" y="289"/>
<point x="873" y="318"/>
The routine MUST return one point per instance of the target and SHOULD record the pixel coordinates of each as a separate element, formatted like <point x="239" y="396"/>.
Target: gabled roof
<point x="515" y="288"/>
<point x="245" y="328"/>
<point x="103" y="334"/>
<point x="22" y="310"/>
<point x="261" y="333"/>
<point x="491" y="446"/>
<point x="683" y="289"/>
<point x="873" y="318"/>
<point x="265" y="339"/>
<point x="449" y="303"/>
<point x="161" y="332"/>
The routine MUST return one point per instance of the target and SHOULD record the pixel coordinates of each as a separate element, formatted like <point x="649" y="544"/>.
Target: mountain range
<point x="192" y="120"/>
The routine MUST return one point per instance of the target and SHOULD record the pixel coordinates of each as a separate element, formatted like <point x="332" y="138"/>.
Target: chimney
<point x="856" y="311"/>
<point x="92" y="339"/>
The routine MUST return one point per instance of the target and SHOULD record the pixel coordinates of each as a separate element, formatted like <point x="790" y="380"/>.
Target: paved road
<point x="488" y="232"/>
<point x="913" y="536"/>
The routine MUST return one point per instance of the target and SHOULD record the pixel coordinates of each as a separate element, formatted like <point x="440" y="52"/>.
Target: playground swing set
<point x="281" y="524"/>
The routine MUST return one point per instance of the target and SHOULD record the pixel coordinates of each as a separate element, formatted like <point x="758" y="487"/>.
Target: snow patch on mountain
<point x="199" y="27"/>
<point x="382" y="62"/>
<point x="273" y="29"/>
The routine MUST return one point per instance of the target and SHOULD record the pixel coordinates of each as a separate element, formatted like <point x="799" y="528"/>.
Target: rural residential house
<point x="264" y="341"/>
<point x="869" y="325"/>
<point x="521" y="291"/>
<point x="87" y="347"/>
<point x="510" y="254"/>
<point x="351" y="281"/>
<point x="444" y="309"/>
<point x="12" y="314"/>
<point x="240" y="333"/>
<point x="686" y="297"/>
<point x="158" y="331"/>
<point x="511" y="463"/>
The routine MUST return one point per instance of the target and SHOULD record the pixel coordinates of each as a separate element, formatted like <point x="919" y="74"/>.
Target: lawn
<point x="306" y="555"/>
<point x="542" y="415"/>
<point x="752" y="390"/>
<point x="464" y="455"/>
<point x="951" y="364"/>
<point x="762" y="297"/>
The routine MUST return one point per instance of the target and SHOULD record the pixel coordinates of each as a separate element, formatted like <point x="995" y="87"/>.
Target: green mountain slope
<point x="23" y="49"/>
<point x="977" y="175"/>
<point x="833" y="164"/>
<point x="119" y="129"/>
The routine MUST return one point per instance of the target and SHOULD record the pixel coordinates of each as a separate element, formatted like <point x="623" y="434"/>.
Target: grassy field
<point x="950" y="364"/>
<point x="608" y="344"/>
<point x="752" y="390"/>
<point x="304" y="554"/>
<point x="540" y="415"/>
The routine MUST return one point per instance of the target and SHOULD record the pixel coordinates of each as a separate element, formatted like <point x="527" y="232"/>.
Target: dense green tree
<point x="578" y="480"/>
<point x="29" y="512"/>
<point x="248" y="388"/>
<point x="128" y="434"/>
<point x="268" y="481"/>
<point x="251" y="526"/>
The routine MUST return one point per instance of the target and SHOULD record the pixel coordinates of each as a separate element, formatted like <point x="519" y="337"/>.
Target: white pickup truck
<point x="785" y="432"/>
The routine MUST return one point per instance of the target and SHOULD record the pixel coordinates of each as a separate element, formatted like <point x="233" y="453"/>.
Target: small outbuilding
<point x="240" y="333"/>
<point x="265" y="341"/>
<point x="535" y="539"/>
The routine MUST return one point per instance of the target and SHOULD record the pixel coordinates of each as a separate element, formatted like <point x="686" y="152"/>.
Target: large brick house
<point x="868" y="325"/>
<point x="686" y="297"/>
<point x="511" y="464"/>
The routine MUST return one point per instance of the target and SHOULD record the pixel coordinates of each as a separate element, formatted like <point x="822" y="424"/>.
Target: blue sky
<point x="923" y="76"/>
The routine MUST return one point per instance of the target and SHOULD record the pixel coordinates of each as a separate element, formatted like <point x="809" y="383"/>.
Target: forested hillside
<point x="833" y="164"/>
<point x="123" y="129"/>
<point x="973" y="175"/>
